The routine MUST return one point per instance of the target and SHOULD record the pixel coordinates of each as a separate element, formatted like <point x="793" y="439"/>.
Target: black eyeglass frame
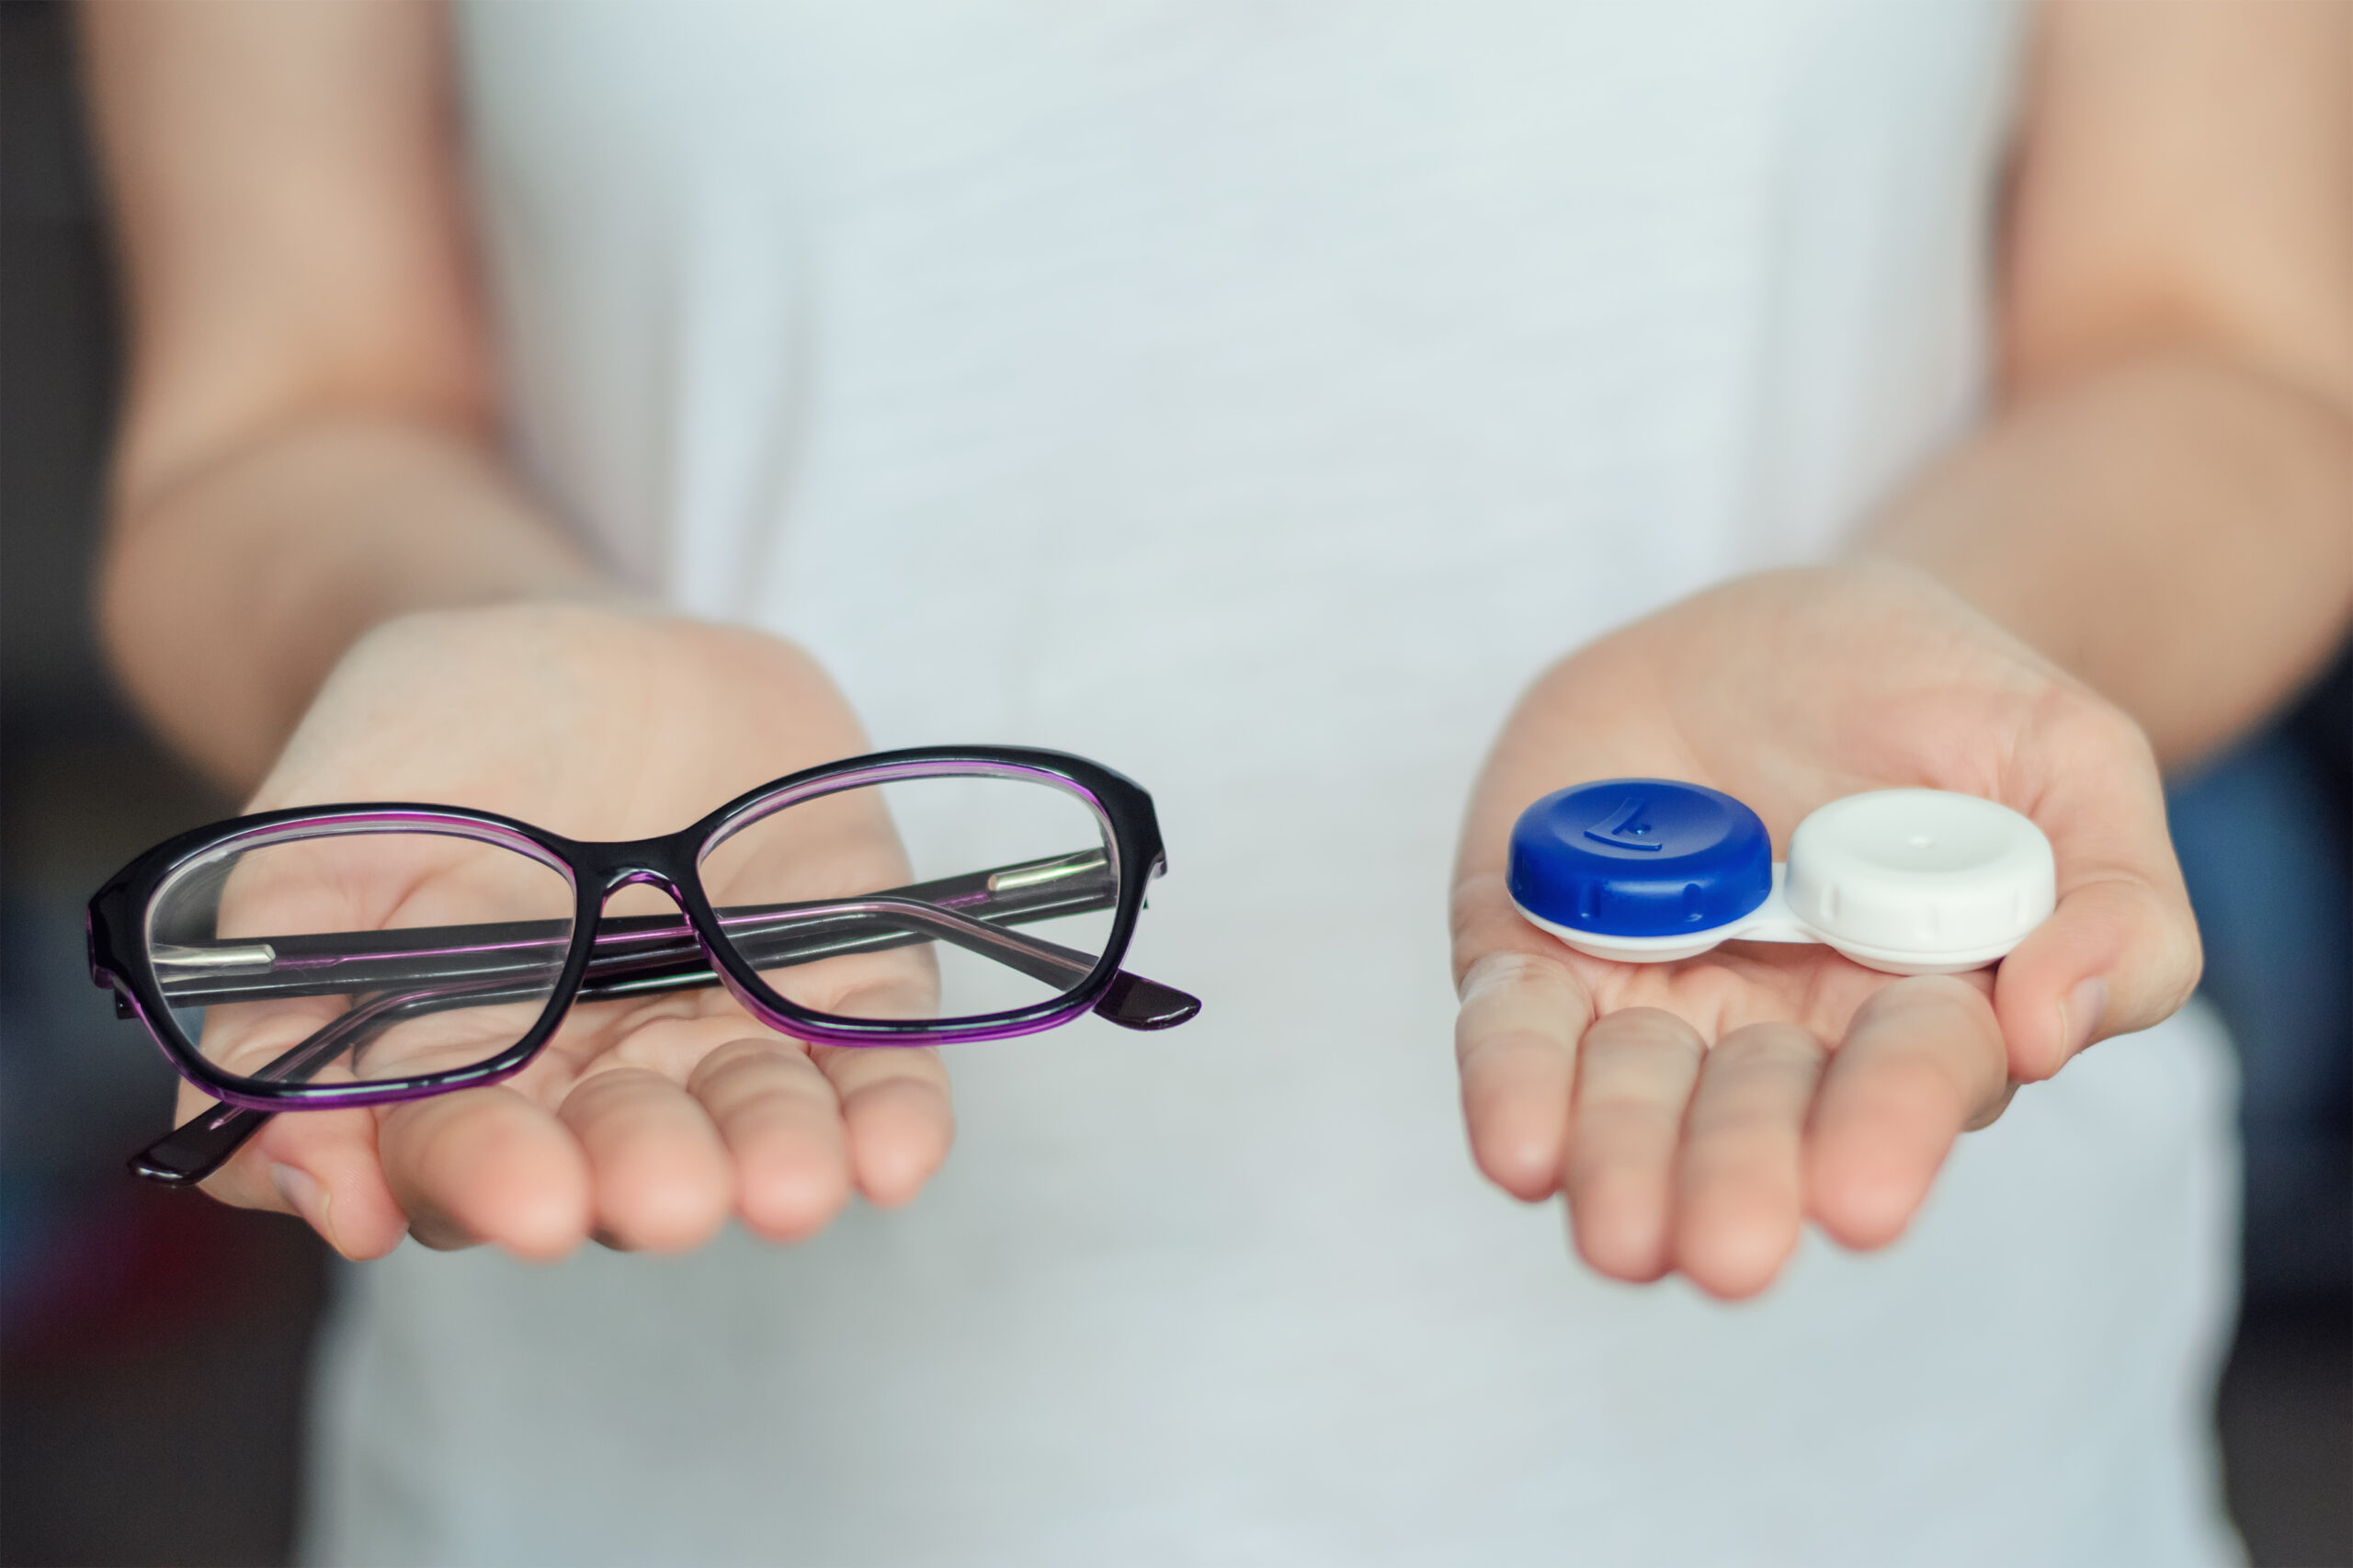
<point x="120" y="959"/>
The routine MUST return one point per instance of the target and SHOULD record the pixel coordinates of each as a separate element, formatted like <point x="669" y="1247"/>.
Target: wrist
<point x="227" y="596"/>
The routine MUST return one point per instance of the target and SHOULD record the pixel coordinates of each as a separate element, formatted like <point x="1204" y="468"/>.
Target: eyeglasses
<point x="355" y="955"/>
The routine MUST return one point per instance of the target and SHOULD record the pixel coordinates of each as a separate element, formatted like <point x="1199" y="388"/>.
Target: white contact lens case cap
<point x="1907" y="878"/>
<point x="1912" y="881"/>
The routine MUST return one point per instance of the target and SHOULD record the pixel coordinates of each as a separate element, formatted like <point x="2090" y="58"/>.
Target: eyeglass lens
<point x="358" y="957"/>
<point x="922" y="899"/>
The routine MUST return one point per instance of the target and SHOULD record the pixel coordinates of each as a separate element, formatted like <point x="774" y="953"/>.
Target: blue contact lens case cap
<point x="1639" y="858"/>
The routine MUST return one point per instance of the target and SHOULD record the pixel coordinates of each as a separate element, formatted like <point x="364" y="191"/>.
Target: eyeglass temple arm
<point x="656" y="955"/>
<point x="193" y="1151"/>
<point x="340" y="962"/>
<point x="199" y="1147"/>
<point x="202" y="1145"/>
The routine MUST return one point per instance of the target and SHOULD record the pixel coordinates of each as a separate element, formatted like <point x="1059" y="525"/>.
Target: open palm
<point x="644" y="1123"/>
<point x="1696" y="1113"/>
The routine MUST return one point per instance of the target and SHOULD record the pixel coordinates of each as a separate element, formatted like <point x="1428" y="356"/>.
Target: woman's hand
<point x="643" y="1124"/>
<point x="1695" y="1113"/>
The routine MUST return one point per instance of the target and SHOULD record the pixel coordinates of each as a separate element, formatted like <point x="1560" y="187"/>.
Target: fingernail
<point x="310" y="1200"/>
<point x="2079" y="1017"/>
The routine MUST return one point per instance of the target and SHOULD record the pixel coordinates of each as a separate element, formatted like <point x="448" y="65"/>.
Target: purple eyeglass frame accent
<point x="122" y="961"/>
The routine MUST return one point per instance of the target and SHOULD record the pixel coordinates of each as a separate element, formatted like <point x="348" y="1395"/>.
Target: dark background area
<point x="154" y="1345"/>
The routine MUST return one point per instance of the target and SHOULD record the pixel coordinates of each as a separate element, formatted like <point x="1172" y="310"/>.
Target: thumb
<point x="2121" y="953"/>
<point x="2117" y="955"/>
<point x="321" y="1167"/>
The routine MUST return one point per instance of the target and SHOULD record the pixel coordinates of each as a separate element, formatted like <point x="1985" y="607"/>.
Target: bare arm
<point x="2163" y="500"/>
<point x="318" y="581"/>
<point x="307" y="447"/>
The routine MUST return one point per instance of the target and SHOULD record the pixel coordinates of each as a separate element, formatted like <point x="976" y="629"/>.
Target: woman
<point x="1257" y="402"/>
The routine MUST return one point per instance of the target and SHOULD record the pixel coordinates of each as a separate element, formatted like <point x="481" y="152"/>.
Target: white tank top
<point x="1255" y="398"/>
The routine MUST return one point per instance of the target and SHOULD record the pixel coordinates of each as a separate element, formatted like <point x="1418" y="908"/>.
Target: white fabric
<point x="1255" y="398"/>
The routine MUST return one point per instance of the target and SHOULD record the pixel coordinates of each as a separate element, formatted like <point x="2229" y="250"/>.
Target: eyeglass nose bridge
<point x="657" y="863"/>
<point x="643" y="877"/>
<point x="666" y="863"/>
<point x="662" y="863"/>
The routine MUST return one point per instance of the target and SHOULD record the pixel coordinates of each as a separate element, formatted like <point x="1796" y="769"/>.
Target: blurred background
<point x="153" y="1346"/>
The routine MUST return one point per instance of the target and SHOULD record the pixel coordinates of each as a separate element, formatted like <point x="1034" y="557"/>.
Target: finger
<point x="782" y="1125"/>
<point x="1516" y="1043"/>
<point x="320" y="1165"/>
<point x="2120" y="951"/>
<point x="1739" y="1188"/>
<point x="1636" y="1070"/>
<point x="1923" y="1059"/>
<point x="896" y="1114"/>
<point x="2117" y="955"/>
<point x="487" y="1165"/>
<point x="660" y="1175"/>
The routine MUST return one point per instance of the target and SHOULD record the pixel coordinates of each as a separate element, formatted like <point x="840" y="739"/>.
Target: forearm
<point x="2177" y="532"/>
<point x="310" y="397"/>
<point x="227" y="594"/>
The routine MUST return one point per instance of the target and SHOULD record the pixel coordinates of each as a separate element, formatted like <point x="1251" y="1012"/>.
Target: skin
<point x="1694" y="1113"/>
<point x="2171" y="446"/>
<point x="643" y="1126"/>
<point x="322" y="585"/>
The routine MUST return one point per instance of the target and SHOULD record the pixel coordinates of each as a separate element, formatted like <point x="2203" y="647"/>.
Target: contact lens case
<point x="1910" y="881"/>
